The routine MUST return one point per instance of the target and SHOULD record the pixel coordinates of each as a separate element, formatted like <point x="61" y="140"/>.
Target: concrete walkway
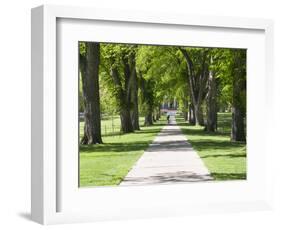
<point x="168" y="159"/>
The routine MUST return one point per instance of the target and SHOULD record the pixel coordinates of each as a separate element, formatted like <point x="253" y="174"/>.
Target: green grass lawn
<point x="225" y="160"/>
<point x="109" y="163"/>
<point x="110" y="125"/>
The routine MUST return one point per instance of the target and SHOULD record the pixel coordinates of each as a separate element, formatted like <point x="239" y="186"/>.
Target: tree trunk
<point x="124" y="104"/>
<point x="191" y="116"/>
<point x="89" y="67"/>
<point x="134" y="95"/>
<point x="185" y="109"/>
<point x="211" y="124"/>
<point x="238" y="114"/>
<point x="147" y="100"/>
<point x="185" y="115"/>
<point x="154" y="117"/>
<point x="126" y="123"/>
<point x="237" y="126"/>
<point x="199" y="119"/>
<point x="197" y="84"/>
<point x="148" y="119"/>
<point x="158" y="112"/>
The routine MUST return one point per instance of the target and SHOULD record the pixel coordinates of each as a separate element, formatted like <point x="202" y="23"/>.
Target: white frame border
<point x="43" y="114"/>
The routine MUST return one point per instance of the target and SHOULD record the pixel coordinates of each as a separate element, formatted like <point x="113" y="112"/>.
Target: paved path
<point x="168" y="159"/>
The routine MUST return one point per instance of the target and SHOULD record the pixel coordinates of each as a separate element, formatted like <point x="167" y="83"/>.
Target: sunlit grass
<point x="225" y="160"/>
<point x="109" y="163"/>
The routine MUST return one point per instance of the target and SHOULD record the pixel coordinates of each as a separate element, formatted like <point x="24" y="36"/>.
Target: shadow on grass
<point x="143" y="129"/>
<point x="209" y="142"/>
<point x="114" y="176"/>
<point x="115" y="147"/>
<point x="124" y="145"/>
<point x="217" y="149"/>
<point x="119" y="133"/>
<point x="199" y="131"/>
<point x="225" y="155"/>
<point x="158" y="123"/>
<point x="229" y="176"/>
<point x="150" y="130"/>
<point x="189" y="129"/>
<point x="215" y="144"/>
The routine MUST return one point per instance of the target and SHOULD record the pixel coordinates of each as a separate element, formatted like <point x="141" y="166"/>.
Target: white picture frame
<point x="54" y="201"/>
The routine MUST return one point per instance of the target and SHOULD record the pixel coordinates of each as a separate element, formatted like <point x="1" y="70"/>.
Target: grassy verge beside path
<point x="110" y="125"/>
<point x="225" y="160"/>
<point x="109" y="163"/>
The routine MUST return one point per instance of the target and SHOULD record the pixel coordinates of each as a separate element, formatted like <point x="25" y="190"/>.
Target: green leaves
<point x="166" y="70"/>
<point x="82" y="48"/>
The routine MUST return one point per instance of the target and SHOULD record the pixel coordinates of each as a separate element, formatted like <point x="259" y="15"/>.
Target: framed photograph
<point x="142" y="114"/>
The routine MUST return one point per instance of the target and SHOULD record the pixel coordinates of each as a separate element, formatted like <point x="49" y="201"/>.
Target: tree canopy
<point x="138" y="80"/>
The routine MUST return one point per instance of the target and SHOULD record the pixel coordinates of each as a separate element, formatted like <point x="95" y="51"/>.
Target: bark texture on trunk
<point x="237" y="127"/>
<point x="134" y="95"/>
<point x="199" y="119"/>
<point x="191" y="116"/>
<point x="185" y="109"/>
<point x="148" y="119"/>
<point x="147" y="100"/>
<point x="238" y="110"/>
<point x="158" y="112"/>
<point x="126" y="123"/>
<point x="211" y="100"/>
<point x="89" y="67"/>
<point x="154" y="117"/>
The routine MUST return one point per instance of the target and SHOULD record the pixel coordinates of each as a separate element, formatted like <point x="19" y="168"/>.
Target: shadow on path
<point x="169" y="158"/>
<point x="169" y="177"/>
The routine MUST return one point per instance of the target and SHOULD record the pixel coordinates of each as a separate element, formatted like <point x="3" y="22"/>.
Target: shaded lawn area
<point x="110" y="125"/>
<point x="225" y="160"/>
<point x="109" y="163"/>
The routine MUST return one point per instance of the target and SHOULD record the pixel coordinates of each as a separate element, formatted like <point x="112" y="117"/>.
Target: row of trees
<point x="136" y="79"/>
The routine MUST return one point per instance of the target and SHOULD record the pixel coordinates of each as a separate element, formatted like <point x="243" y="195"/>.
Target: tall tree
<point x="164" y="67"/>
<point x="124" y="101"/>
<point x="191" y="114"/>
<point x="185" y="109"/>
<point x="239" y="91"/>
<point x="89" y="59"/>
<point x="211" y="101"/>
<point x="134" y="92"/>
<point x="146" y="86"/>
<point x="197" y="75"/>
<point x="117" y="65"/>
